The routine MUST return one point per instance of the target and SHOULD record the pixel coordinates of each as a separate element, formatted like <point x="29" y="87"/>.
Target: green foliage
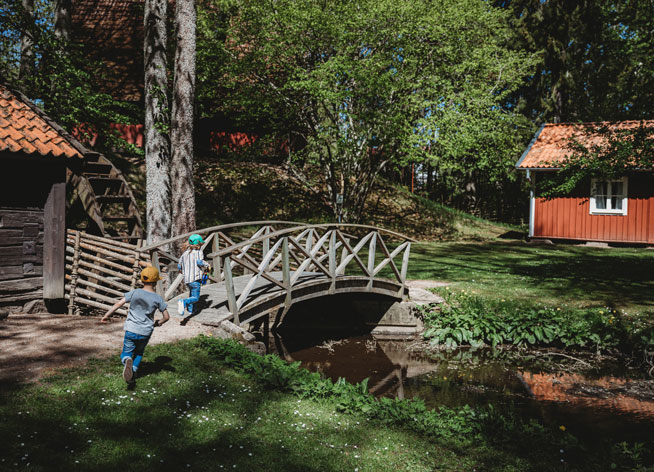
<point x="62" y="81"/>
<point x="469" y="319"/>
<point x="594" y="59"/>
<point x="615" y="153"/>
<point x="366" y="85"/>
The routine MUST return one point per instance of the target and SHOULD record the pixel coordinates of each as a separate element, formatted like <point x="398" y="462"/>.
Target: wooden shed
<point x="34" y="155"/>
<point x="618" y="210"/>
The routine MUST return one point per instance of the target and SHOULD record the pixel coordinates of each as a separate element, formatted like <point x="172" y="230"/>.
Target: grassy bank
<point x="210" y="405"/>
<point x="559" y="275"/>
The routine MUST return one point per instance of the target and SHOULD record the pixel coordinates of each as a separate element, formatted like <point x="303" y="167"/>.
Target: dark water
<point x="598" y="405"/>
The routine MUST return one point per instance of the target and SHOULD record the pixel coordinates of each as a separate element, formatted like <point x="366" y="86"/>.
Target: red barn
<point x="619" y="210"/>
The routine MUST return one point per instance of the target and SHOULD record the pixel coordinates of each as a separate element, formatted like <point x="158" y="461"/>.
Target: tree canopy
<point x="364" y="85"/>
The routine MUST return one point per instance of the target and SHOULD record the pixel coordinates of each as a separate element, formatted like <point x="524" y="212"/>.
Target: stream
<point x="607" y="403"/>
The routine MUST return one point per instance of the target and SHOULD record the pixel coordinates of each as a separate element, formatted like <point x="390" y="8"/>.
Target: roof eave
<point x="531" y="143"/>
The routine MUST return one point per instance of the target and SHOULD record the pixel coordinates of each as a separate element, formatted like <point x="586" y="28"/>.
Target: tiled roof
<point x="24" y="128"/>
<point x="550" y="146"/>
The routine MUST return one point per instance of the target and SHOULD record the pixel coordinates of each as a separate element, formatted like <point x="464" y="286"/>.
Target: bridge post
<point x="286" y="272"/>
<point x="344" y="254"/>
<point x="231" y="292"/>
<point x="155" y="263"/>
<point x="371" y="259"/>
<point x="332" y="261"/>
<point x="215" y="261"/>
<point x="265" y="243"/>
<point x="405" y="263"/>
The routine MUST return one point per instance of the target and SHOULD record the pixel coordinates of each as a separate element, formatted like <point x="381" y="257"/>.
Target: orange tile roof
<point x="550" y="145"/>
<point x="24" y="128"/>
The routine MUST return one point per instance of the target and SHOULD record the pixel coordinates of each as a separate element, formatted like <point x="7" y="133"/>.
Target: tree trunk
<point x="157" y="155"/>
<point x="26" y="43"/>
<point x="181" y="133"/>
<point x="62" y="20"/>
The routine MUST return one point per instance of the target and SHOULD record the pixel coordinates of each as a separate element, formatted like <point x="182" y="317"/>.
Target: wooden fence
<point x="100" y="270"/>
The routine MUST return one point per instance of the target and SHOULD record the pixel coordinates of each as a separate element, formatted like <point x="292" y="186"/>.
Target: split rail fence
<point x="100" y="270"/>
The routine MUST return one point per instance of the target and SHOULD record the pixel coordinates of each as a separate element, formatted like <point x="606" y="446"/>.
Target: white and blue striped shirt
<point x="190" y="264"/>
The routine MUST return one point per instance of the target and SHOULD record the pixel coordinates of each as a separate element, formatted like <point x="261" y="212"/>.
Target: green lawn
<point x="195" y="410"/>
<point x="561" y="275"/>
<point x="188" y="413"/>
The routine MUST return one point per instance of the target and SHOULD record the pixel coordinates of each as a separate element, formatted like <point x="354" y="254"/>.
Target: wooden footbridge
<point x="264" y="267"/>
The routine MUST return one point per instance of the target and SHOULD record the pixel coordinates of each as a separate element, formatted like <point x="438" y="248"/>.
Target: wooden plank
<point x="95" y="304"/>
<point x="20" y="218"/>
<point x="114" y="244"/>
<point x="231" y="295"/>
<point x="104" y="280"/>
<point x="155" y="263"/>
<point x="8" y="261"/>
<point x="11" y="237"/>
<point x="215" y="247"/>
<point x="97" y="296"/>
<point x="31" y="283"/>
<point x="96" y="286"/>
<point x="12" y="272"/>
<point x="85" y="255"/>
<point x="31" y="295"/>
<point x="124" y="277"/>
<point x="54" y="247"/>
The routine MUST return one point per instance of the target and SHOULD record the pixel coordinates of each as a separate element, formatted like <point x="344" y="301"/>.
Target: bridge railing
<point x="287" y="256"/>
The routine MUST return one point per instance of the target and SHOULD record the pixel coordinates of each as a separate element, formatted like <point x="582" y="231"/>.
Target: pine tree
<point x="157" y="155"/>
<point x="182" y="119"/>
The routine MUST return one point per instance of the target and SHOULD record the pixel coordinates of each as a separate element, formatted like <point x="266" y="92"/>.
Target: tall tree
<point x="157" y="154"/>
<point x="62" y="21"/>
<point x="375" y="83"/>
<point x="27" y="41"/>
<point x="181" y="133"/>
<point x="595" y="60"/>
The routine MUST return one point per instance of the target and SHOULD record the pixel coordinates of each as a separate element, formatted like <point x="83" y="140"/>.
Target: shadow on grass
<point x="596" y="276"/>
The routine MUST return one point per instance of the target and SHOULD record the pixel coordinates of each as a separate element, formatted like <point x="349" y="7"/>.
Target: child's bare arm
<point x="163" y="320"/>
<point x="111" y="310"/>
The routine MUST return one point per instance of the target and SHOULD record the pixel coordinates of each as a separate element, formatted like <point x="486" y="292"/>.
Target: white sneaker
<point x="180" y="307"/>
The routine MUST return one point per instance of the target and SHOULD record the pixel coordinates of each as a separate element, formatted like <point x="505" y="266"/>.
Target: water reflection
<point x="595" y="407"/>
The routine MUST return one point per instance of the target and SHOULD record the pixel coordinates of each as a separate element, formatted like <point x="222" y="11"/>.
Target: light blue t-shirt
<point x="142" y="305"/>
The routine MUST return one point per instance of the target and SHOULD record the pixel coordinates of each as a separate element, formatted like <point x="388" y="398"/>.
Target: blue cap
<point x="195" y="239"/>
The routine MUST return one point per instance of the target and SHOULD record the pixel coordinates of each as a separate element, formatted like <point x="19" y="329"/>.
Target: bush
<point x="468" y="319"/>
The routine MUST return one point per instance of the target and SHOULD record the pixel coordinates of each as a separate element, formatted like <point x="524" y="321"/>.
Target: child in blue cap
<point x="192" y="265"/>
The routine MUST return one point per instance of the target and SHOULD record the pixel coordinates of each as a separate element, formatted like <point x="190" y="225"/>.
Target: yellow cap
<point x="150" y="274"/>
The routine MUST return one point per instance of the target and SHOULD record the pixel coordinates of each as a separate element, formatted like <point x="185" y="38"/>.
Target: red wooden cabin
<point x="620" y="210"/>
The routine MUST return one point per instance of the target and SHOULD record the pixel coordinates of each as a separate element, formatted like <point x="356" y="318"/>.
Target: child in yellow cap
<point x="140" y="322"/>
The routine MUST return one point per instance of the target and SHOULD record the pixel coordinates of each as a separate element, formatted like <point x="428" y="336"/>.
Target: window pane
<point x="617" y="189"/>
<point x="616" y="203"/>
<point x="600" y="202"/>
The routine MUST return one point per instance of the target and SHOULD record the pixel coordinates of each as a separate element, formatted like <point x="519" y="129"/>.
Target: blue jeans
<point x="134" y="346"/>
<point x="194" y="295"/>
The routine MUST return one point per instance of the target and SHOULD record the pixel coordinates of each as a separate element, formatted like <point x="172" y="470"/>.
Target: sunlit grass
<point x="189" y="414"/>
<point x="560" y="275"/>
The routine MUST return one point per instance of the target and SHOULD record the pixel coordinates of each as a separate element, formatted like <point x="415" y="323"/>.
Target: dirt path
<point x="31" y="345"/>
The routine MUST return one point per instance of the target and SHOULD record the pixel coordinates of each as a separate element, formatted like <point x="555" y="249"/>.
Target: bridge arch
<point x="263" y="267"/>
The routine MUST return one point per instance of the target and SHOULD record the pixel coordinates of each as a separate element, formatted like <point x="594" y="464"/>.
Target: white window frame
<point x="609" y="211"/>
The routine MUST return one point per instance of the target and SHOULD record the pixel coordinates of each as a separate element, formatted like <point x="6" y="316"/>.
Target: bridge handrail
<point x="282" y="232"/>
<point x="214" y="229"/>
<point x="305" y="254"/>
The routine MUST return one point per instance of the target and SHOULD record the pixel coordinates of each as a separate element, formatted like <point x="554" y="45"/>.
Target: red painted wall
<point x="570" y="218"/>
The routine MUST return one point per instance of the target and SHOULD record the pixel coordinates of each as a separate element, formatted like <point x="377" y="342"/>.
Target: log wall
<point x="29" y="186"/>
<point x="21" y="255"/>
